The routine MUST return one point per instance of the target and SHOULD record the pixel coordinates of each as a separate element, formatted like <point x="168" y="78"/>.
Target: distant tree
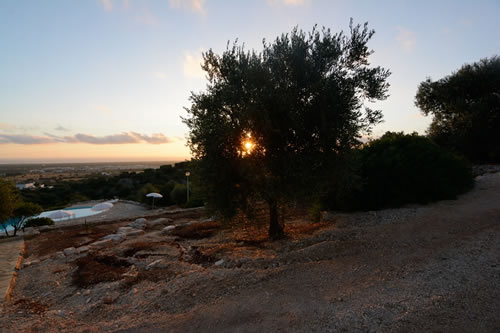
<point x="8" y="202"/>
<point x="272" y="124"/>
<point x="466" y="109"/>
<point x="24" y="211"/>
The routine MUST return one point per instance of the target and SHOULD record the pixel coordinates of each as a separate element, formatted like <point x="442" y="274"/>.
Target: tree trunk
<point x="5" y="229"/>
<point x="275" y="229"/>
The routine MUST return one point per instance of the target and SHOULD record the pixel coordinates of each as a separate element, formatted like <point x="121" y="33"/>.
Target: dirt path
<point x="431" y="268"/>
<point x="9" y="252"/>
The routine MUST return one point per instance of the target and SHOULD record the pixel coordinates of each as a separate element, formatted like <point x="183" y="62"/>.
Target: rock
<point x="31" y="232"/>
<point x="138" y="224"/>
<point x="160" y="221"/>
<point x="219" y="262"/>
<point x="69" y="251"/>
<point x="101" y="243"/>
<point x="135" y="233"/>
<point x="43" y="228"/>
<point x="116" y="238"/>
<point x="124" y="230"/>
<point x="60" y="255"/>
<point x="82" y="249"/>
<point x="167" y="230"/>
<point x="153" y="264"/>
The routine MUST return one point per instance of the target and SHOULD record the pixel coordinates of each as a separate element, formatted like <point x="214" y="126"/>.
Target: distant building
<point x="25" y="186"/>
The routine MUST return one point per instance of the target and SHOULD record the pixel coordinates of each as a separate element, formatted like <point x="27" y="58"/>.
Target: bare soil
<point x="421" y="268"/>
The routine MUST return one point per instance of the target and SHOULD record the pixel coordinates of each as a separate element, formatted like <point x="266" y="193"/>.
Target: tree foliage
<point x="298" y="103"/>
<point x="466" y="109"/>
<point x="8" y="202"/>
<point x="13" y="210"/>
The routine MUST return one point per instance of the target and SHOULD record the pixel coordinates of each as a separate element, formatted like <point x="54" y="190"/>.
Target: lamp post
<point x="187" y="177"/>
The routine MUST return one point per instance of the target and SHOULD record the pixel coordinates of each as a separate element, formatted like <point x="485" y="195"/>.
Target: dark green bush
<point x="399" y="168"/>
<point x="38" y="222"/>
<point x="179" y="194"/>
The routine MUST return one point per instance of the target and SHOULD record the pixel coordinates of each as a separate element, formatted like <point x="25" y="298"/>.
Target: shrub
<point x="179" y="194"/>
<point x="38" y="222"/>
<point x="399" y="168"/>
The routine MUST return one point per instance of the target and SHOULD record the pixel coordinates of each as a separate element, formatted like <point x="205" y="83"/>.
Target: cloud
<point x="291" y="3"/>
<point x="196" y="6"/>
<point x="122" y="138"/>
<point x="7" y="127"/>
<point x="192" y="65"/>
<point x="24" y="139"/>
<point x="60" y="128"/>
<point x="160" y="75"/>
<point x="406" y="39"/>
<point x="107" y="5"/>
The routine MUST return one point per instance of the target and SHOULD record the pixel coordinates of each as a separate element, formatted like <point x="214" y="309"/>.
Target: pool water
<point x="78" y="213"/>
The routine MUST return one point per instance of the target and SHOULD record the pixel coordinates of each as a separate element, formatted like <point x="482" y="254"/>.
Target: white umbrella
<point x="154" y="195"/>
<point x="102" y="206"/>
<point x="59" y="214"/>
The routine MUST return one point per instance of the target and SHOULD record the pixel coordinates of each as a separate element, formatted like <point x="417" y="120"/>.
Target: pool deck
<point x="9" y="254"/>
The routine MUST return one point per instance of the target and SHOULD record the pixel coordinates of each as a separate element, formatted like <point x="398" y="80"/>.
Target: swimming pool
<point x="78" y="213"/>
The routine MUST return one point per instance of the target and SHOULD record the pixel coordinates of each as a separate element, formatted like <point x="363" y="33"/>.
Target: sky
<point x="108" y="80"/>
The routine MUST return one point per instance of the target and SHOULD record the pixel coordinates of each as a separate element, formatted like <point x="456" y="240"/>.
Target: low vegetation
<point x="38" y="222"/>
<point x="399" y="169"/>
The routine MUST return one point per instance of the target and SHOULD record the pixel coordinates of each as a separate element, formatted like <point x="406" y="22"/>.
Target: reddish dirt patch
<point x="197" y="230"/>
<point x="57" y="240"/>
<point x="94" y="269"/>
<point x="30" y="306"/>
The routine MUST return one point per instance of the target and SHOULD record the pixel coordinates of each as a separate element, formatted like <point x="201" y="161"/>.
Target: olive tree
<point x="272" y="123"/>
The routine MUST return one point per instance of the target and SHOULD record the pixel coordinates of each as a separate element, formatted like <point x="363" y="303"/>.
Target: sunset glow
<point x="97" y="80"/>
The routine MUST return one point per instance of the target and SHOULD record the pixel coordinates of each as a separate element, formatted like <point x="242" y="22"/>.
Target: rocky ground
<point x="422" y="268"/>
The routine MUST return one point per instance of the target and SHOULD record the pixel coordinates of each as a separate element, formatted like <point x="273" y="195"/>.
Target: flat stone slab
<point x="101" y="243"/>
<point x="69" y="251"/>
<point x="135" y="233"/>
<point x="82" y="249"/>
<point x="167" y="230"/>
<point x="138" y="224"/>
<point x="124" y="230"/>
<point x="116" y="238"/>
<point x="160" y="221"/>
